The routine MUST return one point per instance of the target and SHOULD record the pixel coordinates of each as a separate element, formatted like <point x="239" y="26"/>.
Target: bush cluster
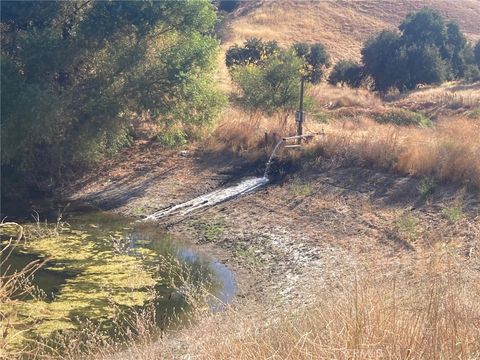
<point x="403" y="117"/>
<point x="269" y="76"/>
<point x="347" y="72"/>
<point x="74" y="76"/>
<point x="424" y="50"/>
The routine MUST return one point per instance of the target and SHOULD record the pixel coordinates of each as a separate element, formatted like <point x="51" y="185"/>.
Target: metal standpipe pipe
<point x="305" y="137"/>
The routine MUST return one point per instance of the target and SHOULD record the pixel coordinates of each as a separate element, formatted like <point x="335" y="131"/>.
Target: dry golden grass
<point x="448" y="97"/>
<point x="431" y="314"/>
<point x="309" y="21"/>
<point x="341" y="25"/>
<point x="331" y="97"/>
<point x="243" y="134"/>
<point x="449" y="151"/>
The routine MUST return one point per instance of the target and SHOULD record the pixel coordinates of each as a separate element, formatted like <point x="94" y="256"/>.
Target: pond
<point x="100" y="265"/>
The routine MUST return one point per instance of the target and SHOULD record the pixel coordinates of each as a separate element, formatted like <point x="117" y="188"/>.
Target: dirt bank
<point x="322" y="223"/>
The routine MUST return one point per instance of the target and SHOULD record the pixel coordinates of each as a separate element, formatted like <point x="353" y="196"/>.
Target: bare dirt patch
<point x="319" y="225"/>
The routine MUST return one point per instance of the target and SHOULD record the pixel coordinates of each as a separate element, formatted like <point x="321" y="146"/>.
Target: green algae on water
<point x="100" y="281"/>
<point x="97" y="270"/>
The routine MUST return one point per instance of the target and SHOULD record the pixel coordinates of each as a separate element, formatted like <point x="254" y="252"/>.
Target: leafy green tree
<point x="457" y="51"/>
<point x="273" y="86"/>
<point x="381" y="59"/>
<point x="74" y="74"/>
<point x="347" y="72"/>
<point x="301" y="49"/>
<point x="477" y="53"/>
<point x="426" y="51"/>
<point x="425" y="67"/>
<point x="425" y="27"/>
<point x="316" y="60"/>
<point x="254" y="51"/>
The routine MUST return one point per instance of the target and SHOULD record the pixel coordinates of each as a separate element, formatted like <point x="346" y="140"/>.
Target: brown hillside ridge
<point x="342" y="26"/>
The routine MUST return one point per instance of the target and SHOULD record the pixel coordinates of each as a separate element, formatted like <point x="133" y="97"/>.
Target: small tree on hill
<point x="347" y="72"/>
<point x="254" y="51"/>
<point x="425" y="66"/>
<point x="272" y="86"/>
<point x="425" y="27"/>
<point x="316" y="60"/>
<point x="477" y="53"/>
<point x="457" y="52"/>
<point x="380" y="58"/>
<point x="426" y="51"/>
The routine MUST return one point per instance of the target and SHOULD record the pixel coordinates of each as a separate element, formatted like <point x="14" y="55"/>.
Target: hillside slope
<point x="341" y="25"/>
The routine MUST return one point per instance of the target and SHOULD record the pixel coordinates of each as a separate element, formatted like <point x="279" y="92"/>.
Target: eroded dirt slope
<point x="320" y="223"/>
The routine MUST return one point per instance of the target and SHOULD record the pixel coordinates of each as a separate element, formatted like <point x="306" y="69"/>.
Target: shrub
<point x="273" y="86"/>
<point x="477" y="53"/>
<point x="404" y="118"/>
<point x="426" y="187"/>
<point x="406" y="227"/>
<point x="453" y="213"/>
<point x="426" y="51"/>
<point x="347" y="72"/>
<point x="316" y="60"/>
<point x="472" y="73"/>
<point x="254" y="51"/>
<point x="172" y="138"/>
<point x="300" y="188"/>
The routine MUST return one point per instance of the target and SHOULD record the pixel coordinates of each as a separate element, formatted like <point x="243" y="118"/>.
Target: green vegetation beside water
<point x="96" y="270"/>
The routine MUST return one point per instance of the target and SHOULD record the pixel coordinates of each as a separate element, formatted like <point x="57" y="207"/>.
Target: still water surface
<point x="100" y="265"/>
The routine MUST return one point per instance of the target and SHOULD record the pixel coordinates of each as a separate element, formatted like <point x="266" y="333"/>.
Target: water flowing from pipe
<point x="269" y="162"/>
<point x="217" y="196"/>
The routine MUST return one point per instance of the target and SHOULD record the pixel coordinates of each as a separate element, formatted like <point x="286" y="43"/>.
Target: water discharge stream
<point x="210" y="199"/>
<point x="218" y="196"/>
<point x="269" y="162"/>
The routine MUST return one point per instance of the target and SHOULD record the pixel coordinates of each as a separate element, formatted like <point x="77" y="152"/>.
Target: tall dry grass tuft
<point x="249" y="135"/>
<point x="449" y="151"/>
<point x="14" y="284"/>
<point x="432" y="314"/>
<point x="333" y="97"/>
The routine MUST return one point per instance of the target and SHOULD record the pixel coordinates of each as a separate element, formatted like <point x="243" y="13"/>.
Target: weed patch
<point x="403" y="117"/>
<point x="301" y="188"/>
<point x="407" y="228"/>
<point x="426" y="188"/>
<point x="212" y="229"/>
<point x="453" y="213"/>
